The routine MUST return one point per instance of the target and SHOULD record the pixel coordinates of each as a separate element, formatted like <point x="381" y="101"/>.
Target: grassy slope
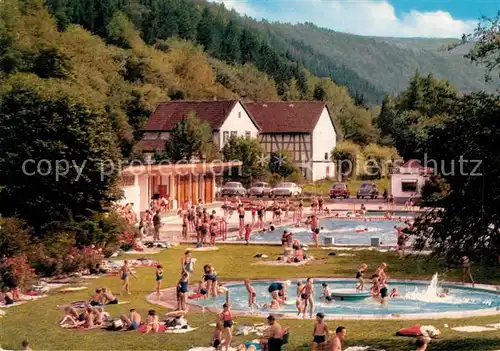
<point x="387" y="63"/>
<point x="37" y="321"/>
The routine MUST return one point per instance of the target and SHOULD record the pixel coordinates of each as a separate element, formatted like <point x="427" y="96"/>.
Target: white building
<point x="227" y="118"/>
<point x="303" y="128"/>
<point x="407" y="180"/>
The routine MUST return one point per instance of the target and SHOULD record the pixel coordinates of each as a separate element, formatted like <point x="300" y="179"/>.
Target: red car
<point x="339" y="190"/>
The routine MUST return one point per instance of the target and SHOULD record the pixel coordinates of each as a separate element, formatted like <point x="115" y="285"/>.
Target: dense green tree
<point x="346" y="155"/>
<point x="206" y="29"/>
<point x="281" y="163"/>
<point x="62" y="163"/>
<point x="466" y="195"/>
<point x="251" y="153"/>
<point x="188" y="139"/>
<point x="230" y="50"/>
<point x="250" y="45"/>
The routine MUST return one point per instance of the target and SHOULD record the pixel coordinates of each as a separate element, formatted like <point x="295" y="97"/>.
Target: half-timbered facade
<point x="227" y="118"/>
<point x="304" y="129"/>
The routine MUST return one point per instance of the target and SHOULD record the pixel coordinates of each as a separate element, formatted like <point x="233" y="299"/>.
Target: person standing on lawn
<point x="157" y="226"/>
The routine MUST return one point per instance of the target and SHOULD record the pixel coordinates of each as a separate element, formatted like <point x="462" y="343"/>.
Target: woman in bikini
<point x="307" y="295"/>
<point x="125" y="272"/>
<point x="226" y="318"/>
<point x="153" y="323"/>
<point x="159" y="278"/>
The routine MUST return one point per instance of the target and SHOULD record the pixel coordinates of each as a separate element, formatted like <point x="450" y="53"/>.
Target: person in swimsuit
<point x="274" y="333"/>
<point x="226" y="318"/>
<point x="185" y="223"/>
<point x="219" y="328"/>
<point x="96" y="300"/>
<point x="278" y="290"/>
<point x="210" y="277"/>
<point x="132" y="321"/>
<point x="466" y="270"/>
<point x="248" y="232"/>
<point x="260" y="216"/>
<point x="336" y="344"/>
<point x="307" y="295"/>
<point x="241" y="215"/>
<point x="320" y="333"/>
<point x="187" y="263"/>
<point x="359" y="277"/>
<point x="70" y="317"/>
<point x="158" y="278"/>
<point x="375" y="289"/>
<point x="251" y="294"/>
<point x="384" y="291"/>
<point x="326" y="294"/>
<point x="7" y="296"/>
<point x="205" y="227"/>
<point x="109" y="298"/>
<point x="153" y="322"/>
<point x="213" y="230"/>
<point x="182" y="289"/>
<point x="124" y="275"/>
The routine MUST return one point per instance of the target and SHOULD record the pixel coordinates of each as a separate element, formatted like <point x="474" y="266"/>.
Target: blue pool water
<point x="343" y="232"/>
<point x="413" y="299"/>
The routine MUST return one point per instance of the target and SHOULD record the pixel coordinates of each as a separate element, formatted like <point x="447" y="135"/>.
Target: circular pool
<point x="415" y="300"/>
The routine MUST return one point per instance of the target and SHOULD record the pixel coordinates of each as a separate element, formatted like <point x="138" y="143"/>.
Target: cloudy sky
<point x="395" y="18"/>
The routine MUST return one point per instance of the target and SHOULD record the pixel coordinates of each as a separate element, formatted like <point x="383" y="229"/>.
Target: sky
<point x="391" y="18"/>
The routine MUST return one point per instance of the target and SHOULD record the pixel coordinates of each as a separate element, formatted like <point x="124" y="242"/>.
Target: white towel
<point x="472" y="329"/>
<point x="180" y="331"/>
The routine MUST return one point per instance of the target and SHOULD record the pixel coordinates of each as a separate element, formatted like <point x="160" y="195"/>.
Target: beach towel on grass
<point x="142" y="329"/>
<point x="13" y="305"/>
<point x="473" y="329"/>
<point x="362" y="348"/>
<point x="71" y="289"/>
<point x="180" y="331"/>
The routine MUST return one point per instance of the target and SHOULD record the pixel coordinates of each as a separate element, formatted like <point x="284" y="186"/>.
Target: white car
<point x="286" y="189"/>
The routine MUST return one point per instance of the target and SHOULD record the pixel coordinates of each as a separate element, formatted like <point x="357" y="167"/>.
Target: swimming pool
<point x="343" y="232"/>
<point x="416" y="300"/>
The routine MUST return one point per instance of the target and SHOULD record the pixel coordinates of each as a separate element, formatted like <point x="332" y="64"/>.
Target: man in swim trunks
<point x="274" y="334"/>
<point x="133" y="321"/>
<point x="109" y="298"/>
<point x="320" y="333"/>
<point x="278" y="290"/>
<point x="124" y="275"/>
<point x="336" y="344"/>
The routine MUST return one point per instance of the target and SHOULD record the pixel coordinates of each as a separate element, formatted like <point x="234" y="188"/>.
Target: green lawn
<point x="322" y="187"/>
<point x="37" y="321"/>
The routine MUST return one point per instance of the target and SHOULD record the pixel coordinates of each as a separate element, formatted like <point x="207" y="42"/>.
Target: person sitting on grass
<point x="109" y="298"/>
<point x="421" y="344"/>
<point x="273" y="337"/>
<point x="89" y="318"/>
<point x="7" y="297"/>
<point x="153" y="323"/>
<point x="25" y="346"/>
<point x="97" y="298"/>
<point x="70" y="318"/>
<point x="132" y="321"/>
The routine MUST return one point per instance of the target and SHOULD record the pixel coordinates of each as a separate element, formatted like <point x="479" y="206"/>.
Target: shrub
<point x="14" y="237"/>
<point x="15" y="271"/>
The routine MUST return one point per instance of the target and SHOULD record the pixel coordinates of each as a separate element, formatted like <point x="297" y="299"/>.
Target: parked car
<point x="286" y="189"/>
<point x="339" y="190"/>
<point x="259" y="189"/>
<point x="233" y="189"/>
<point x="367" y="190"/>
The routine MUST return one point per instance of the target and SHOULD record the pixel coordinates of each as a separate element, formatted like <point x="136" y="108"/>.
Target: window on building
<point x="239" y="114"/>
<point x="326" y="156"/>
<point x="225" y="137"/>
<point x="150" y="136"/>
<point x="234" y="134"/>
<point x="409" y="186"/>
<point x="248" y="134"/>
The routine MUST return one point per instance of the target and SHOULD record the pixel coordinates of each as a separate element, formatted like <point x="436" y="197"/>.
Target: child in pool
<point x="375" y="289"/>
<point x="394" y="293"/>
<point x="299" y="288"/>
<point x="273" y="305"/>
<point x="320" y="333"/>
<point x="251" y="294"/>
<point x="444" y="292"/>
<point x="359" y="276"/>
<point x="326" y="294"/>
<point x="300" y="306"/>
<point x="307" y="294"/>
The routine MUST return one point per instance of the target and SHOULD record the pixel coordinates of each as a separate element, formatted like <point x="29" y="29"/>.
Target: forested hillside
<point x="116" y="73"/>
<point x="376" y="66"/>
<point x="369" y="67"/>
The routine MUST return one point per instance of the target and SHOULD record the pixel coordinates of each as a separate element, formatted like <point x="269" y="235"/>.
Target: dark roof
<point x="168" y="114"/>
<point x="151" y="145"/>
<point x="286" y="117"/>
<point x="412" y="164"/>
